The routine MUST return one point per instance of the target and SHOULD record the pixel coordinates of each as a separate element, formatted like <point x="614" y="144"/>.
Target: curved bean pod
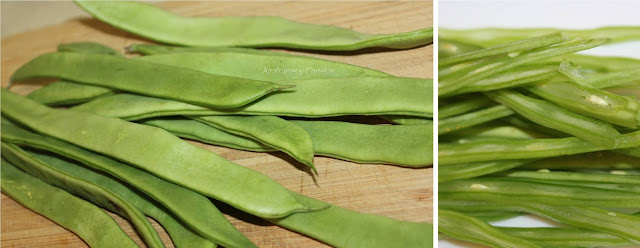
<point x="191" y="208"/>
<point x="193" y="167"/>
<point x="465" y="227"/>
<point x="86" y="220"/>
<point x="181" y="235"/>
<point x="88" y="47"/>
<point x="312" y="98"/>
<point x="407" y="120"/>
<point x="159" y="25"/>
<point x="195" y="130"/>
<point x="94" y="193"/>
<point x="147" y="78"/>
<point x="270" y="130"/>
<point x="403" y="145"/>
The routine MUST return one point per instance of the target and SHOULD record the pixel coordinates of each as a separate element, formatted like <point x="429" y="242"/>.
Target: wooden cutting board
<point x="396" y="192"/>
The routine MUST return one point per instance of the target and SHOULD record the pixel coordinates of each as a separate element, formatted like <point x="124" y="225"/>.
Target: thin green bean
<point x="512" y="78"/>
<point x="162" y="26"/>
<point x="88" y="47"/>
<point x="574" y="176"/>
<point x="465" y="227"/>
<point x="147" y="78"/>
<point x="448" y="108"/>
<point x="493" y="215"/>
<point x="550" y="115"/>
<point x="94" y="193"/>
<point x="86" y="220"/>
<point x="566" y="237"/>
<point x="191" y="208"/>
<point x="459" y="122"/>
<point x="193" y="167"/>
<point x="592" y="160"/>
<point x="462" y="171"/>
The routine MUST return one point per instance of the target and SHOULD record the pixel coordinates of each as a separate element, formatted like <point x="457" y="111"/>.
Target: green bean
<point x="516" y="46"/>
<point x="88" y="47"/>
<point x="523" y="149"/>
<point x="512" y="191"/>
<point x="599" y="63"/>
<point x="89" y="222"/>
<point x="590" y="102"/>
<point x="574" y="176"/>
<point x="593" y="160"/>
<point x="312" y="98"/>
<point x="152" y="49"/>
<point x="147" y="78"/>
<point x="565" y="237"/>
<point x="404" y="145"/>
<point x="64" y="92"/>
<point x="615" y="79"/>
<point x="625" y="187"/>
<point x="407" y="120"/>
<point x="494" y="67"/>
<point x="340" y="227"/>
<point x="486" y="37"/>
<point x="489" y="131"/>
<point x="193" y="209"/>
<point x="162" y="26"/>
<point x="459" y="122"/>
<point x="462" y="171"/>
<point x="269" y="130"/>
<point x="181" y="235"/>
<point x="596" y="219"/>
<point x="465" y="227"/>
<point x="572" y="73"/>
<point x="550" y="115"/>
<point x="515" y="77"/>
<point x="94" y="193"/>
<point x="195" y="130"/>
<point x="448" y="108"/>
<point x="167" y="156"/>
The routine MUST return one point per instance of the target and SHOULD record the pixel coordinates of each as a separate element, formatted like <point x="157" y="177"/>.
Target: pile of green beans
<point x="110" y="132"/>
<point x="528" y="127"/>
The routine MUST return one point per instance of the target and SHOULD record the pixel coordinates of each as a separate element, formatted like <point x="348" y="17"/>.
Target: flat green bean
<point x="459" y="122"/>
<point x="64" y="92"/>
<point x="147" y="78"/>
<point x="269" y="130"/>
<point x="465" y="227"/>
<point x="403" y="145"/>
<point x="591" y="218"/>
<point x="190" y="129"/>
<point x="340" y="227"/>
<point x="312" y="98"/>
<point x="486" y="37"/>
<point x="512" y="191"/>
<point x="181" y="235"/>
<point x="92" y="192"/>
<point x="191" y="208"/>
<point x="162" y="26"/>
<point x="550" y="115"/>
<point x="595" y="103"/>
<point x="167" y="156"/>
<point x="86" y="220"/>
<point x="407" y="120"/>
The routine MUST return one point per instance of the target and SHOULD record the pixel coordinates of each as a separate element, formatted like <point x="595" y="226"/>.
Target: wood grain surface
<point x="396" y="192"/>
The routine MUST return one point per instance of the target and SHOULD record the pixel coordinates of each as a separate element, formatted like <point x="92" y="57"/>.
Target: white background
<point x="540" y="14"/>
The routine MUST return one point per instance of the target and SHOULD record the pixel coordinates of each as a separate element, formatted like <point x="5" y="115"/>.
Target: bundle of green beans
<point x="526" y="126"/>
<point x="115" y="143"/>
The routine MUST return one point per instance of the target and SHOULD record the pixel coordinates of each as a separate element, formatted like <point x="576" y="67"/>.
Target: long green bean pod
<point x="459" y="122"/>
<point x="193" y="167"/>
<point x="147" y="78"/>
<point x="565" y="237"/>
<point x="86" y="220"/>
<point x="162" y="26"/>
<point x="462" y="171"/>
<point x="516" y="77"/>
<point x="550" y="115"/>
<point x="98" y="195"/>
<point x="193" y="209"/>
<point x="455" y="106"/>
<point x="574" y="176"/>
<point x="465" y="227"/>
